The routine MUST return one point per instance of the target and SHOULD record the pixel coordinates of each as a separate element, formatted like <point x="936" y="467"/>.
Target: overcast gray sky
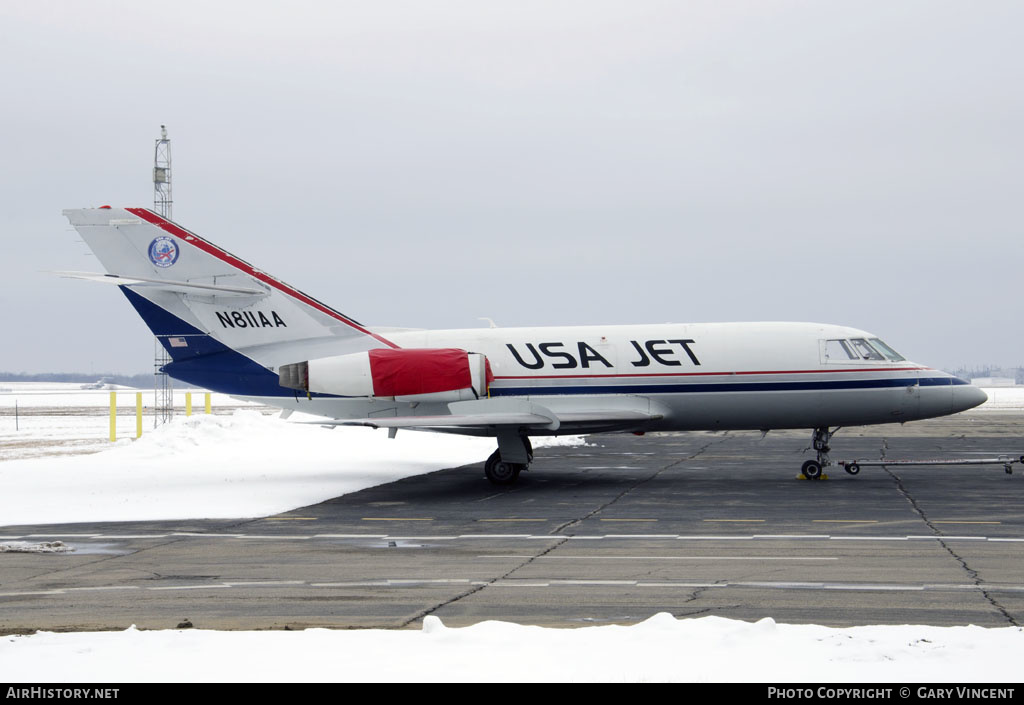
<point x="541" y="163"/>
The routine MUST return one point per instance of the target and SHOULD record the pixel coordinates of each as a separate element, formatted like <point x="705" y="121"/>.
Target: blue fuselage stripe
<point x="499" y="391"/>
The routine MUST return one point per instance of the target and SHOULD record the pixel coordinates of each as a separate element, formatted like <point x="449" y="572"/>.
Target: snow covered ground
<point x="662" y="648"/>
<point x="248" y="463"/>
<point x="221" y="466"/>
<point x="47" y="419"/>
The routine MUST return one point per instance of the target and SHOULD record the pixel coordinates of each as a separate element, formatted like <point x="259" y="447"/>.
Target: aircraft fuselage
<point x="699" y="376"/>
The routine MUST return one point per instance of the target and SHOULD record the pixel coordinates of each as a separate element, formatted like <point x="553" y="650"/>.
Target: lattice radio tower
<point x="163" y="390"/>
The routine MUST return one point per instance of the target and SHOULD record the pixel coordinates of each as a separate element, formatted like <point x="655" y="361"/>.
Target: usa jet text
<point x="568" y="356"/>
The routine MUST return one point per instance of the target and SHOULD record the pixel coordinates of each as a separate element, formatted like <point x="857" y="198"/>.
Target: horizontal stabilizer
<point x="167" y="284"/>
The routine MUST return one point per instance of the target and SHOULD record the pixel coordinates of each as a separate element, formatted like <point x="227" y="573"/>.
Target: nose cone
<point x="967" y="396"/>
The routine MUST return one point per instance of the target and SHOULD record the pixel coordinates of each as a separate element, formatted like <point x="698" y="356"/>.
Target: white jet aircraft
<point x="232" y="328"/>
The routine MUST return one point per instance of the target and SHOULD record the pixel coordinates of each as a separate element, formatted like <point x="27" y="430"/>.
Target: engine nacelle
<point x="406" y="374"/>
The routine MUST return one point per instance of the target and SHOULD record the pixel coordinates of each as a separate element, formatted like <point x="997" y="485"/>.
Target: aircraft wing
<point x="493" y="413"/>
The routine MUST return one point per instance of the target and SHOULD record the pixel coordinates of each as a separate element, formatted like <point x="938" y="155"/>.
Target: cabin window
<point x="839" y="350"/>
<point x="865" y="350"/>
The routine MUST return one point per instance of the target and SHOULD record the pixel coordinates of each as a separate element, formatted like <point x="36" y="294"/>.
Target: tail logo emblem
<point x="163" y="251"/>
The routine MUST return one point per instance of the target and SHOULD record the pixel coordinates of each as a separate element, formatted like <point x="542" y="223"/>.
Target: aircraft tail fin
<point x="219" y="317"/>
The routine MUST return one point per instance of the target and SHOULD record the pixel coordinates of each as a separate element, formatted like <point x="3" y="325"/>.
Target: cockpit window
<point x="865" y="350"/>
<point x="887" y="351"/>
<point x="839" y="350"/>
<point x="857" y="349"/>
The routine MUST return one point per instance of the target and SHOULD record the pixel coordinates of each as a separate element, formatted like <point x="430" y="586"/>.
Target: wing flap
<point x="607" y="416"/>
<point x="537" y="417"/>
<point x="446" y="420"/>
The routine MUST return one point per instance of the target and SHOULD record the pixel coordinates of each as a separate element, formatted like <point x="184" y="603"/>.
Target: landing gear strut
<point x="812" y="469"/>
<point x="502" y="472"/>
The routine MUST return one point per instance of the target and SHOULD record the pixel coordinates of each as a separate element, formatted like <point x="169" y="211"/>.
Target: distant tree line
<point x="142" y="381"/>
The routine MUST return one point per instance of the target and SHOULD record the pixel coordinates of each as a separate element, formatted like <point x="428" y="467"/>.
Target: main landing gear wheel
<point x="500" y="472"/>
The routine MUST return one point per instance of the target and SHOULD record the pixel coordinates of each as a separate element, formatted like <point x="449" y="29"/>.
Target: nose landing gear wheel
<point x="811" y="470"/>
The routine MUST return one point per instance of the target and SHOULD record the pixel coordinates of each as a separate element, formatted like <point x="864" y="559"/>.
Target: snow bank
<point x="232" y="466"/>
<point x="243" y="465"/>
<point x="661" y="648"/>
<point x="43" y="547"/>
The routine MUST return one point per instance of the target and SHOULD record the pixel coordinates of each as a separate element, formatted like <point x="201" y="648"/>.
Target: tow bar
<point x="853" y="466"/>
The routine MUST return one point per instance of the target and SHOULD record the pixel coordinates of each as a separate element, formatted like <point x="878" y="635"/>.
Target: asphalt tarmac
<point x="693" y="524"/>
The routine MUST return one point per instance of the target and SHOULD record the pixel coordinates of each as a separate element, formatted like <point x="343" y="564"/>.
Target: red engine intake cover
<point x="418" y="371"/>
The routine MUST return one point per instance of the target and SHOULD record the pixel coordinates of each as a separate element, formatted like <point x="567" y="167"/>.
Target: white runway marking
<point x="212" y="586"/>
<point x="680" y="558"/>
<point x="410" y="583"/>
<point x="525" y="537"/>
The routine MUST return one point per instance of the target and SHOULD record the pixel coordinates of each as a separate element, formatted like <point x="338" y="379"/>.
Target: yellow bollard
<point x="138" y="414"/>
<point x="188" y="403"/>
<point x="113" y="416"/>
<point x="208" y="402"/>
